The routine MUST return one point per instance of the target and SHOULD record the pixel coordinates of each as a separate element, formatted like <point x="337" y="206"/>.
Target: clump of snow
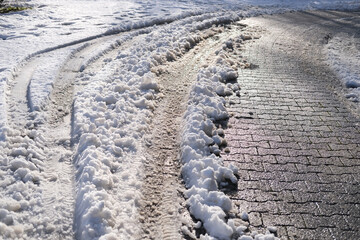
<point x="344" y="58"/>
<point x="244" y="216"/>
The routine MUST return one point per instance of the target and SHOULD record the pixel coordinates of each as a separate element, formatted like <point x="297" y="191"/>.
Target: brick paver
<point x="296" y="144"/>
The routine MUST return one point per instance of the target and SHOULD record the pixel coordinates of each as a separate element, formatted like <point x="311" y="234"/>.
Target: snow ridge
<point x="111" y="116"/>
<point x="204" y="173"/>
<point x="203" y="170"/>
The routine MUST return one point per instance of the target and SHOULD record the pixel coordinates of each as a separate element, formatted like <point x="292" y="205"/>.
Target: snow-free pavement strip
<point x="291" y="134"/>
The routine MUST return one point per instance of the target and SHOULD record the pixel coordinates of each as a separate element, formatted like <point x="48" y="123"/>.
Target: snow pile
<point x="203" y="137"/>
<point x="110" y="119"/>
<point x="344" y="58"/>
<point x="203" y="173"/>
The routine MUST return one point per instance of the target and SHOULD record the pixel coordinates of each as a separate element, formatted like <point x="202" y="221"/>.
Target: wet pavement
<point x="292" y="134"/>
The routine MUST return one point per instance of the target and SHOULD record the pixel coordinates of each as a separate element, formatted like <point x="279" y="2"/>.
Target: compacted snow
<point x="77" y="171"/>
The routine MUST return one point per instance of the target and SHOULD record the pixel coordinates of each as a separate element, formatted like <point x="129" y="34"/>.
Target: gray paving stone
<point x="299" y="156"/>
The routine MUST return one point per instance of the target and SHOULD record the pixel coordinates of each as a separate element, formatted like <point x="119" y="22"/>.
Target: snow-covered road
<point x="107" y="111"/>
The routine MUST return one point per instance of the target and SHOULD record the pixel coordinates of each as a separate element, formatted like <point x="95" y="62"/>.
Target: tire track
<point x="51" y="130"/>
<point x="163" y="206"/>
<point x="52" y="133"/>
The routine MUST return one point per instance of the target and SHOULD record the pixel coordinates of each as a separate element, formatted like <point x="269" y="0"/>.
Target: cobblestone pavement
<point x="291" y="133"/>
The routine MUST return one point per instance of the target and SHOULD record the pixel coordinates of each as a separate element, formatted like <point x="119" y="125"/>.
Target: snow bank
<point x="203" y="173"/>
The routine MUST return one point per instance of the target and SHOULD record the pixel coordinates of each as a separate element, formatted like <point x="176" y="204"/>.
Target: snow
<point x="40" y="86"/>
<point x="111" y="117"/>
<point x="344" y="58"/>
<point x="203" y="170"/>
<point x="113" y="107"/>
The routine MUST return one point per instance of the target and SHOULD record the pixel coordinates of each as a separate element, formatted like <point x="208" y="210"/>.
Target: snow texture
<point x="202" y="172"/>
<point x="111" y="117"/>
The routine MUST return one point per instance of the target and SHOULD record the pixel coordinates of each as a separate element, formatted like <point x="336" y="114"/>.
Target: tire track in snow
<point x="30" y="61"/>
<point x="53" y="128"/>
<point x="57" y="187"/>
<point x="59" y="125"/>
<point x="162" y="210"/>
<point x="55" y="145"/>
<point x="18" y="100"/>
<point x="53" y="158"/>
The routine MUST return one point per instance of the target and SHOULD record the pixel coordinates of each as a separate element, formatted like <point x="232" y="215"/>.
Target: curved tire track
<point x="54" y="126"/>
<point x="163" y="206"/>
